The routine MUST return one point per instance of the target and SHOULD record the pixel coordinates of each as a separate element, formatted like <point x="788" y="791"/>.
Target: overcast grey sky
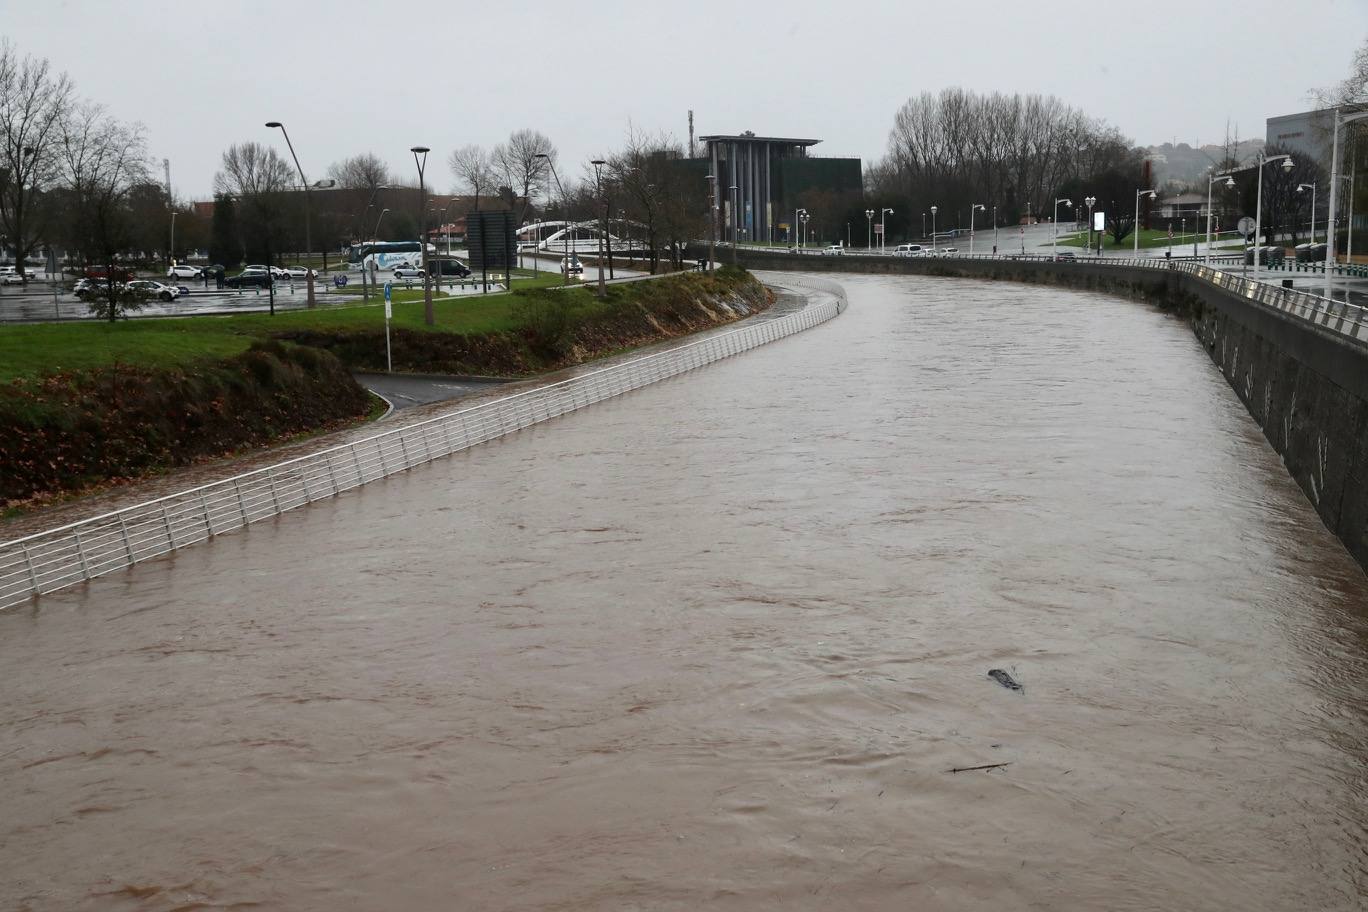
<point x="349" y="77"/>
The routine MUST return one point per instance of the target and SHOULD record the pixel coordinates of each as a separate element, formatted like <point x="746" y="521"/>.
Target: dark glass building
<point x="772" y="174"/>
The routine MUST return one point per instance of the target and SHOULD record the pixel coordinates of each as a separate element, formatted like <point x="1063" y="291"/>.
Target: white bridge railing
<point x="61" y="557"/>
<point x="1339" y="317"/>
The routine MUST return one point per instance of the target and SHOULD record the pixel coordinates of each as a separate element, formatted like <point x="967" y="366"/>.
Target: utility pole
<point x="171" y="208"/>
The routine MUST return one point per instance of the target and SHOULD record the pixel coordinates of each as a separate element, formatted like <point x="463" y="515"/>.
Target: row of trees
<point x="1018" y="152"/>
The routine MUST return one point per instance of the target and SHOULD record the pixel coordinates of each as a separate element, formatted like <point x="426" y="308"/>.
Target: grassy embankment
<point x="82" y="404"/>
<point x="1149" y="238"/>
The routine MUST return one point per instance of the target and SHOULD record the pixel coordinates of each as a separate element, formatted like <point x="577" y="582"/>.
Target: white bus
<point x="384" y="256"/>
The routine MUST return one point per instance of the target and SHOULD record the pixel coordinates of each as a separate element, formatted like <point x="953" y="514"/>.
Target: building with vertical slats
<point x="773" y="176"/>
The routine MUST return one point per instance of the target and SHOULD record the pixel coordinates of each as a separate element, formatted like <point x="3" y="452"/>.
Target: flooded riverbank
<point x="719" y="642"/>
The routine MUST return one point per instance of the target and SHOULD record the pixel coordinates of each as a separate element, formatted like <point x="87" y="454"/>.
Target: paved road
<point x="407" y="390"/>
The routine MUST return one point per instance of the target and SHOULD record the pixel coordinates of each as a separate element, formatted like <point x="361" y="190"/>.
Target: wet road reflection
<point x="719" y="642"/>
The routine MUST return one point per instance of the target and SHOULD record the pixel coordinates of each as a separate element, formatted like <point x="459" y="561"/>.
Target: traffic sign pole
<point x="389" y="312"/>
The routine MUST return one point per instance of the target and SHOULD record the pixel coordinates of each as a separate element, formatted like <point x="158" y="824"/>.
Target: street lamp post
<point x="934" y="210"/>
<point x="1055" y="223"/>
<point x="1135" y="228"/>
<point x="923" y="234"/>
<point x="802" y="236"/>
<point x="869" y="229"/>
<point x="712" y="221"/>
<point x="995" y="231"/>
<point x="1258" y="206"/>
<point x="429" y="317"/>
<point x="975" y="207"/>
<point x="1300" y="188"/>
<point x="1340" y="120"/>
<point x="883" y="230"/>
<point x="308" y="237"/>
<point x="565" y="204"/>
<point x="735" y="200"/>
<point x="1090" y="202"/>
<point x="598" y="164"/>
<point x="1211" y="182"/>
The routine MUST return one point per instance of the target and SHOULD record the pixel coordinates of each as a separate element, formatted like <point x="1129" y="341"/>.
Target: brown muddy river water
<point x="719" y="643"/>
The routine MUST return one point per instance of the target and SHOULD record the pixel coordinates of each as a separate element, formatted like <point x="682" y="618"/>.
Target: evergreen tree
<point x="225" y="244"/>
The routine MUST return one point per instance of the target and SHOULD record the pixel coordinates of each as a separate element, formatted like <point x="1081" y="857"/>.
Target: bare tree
<point x="1353" y="90"/>
<point x="957" y="148"/>
<point x="668" y="200"/>
<point x="102" y="160"/>
<point x="257" y="176"/>
<point x="520" y="163"/>
<point x="474" y="170"/>
<point x="360" y="172"/>
<point x="32" y="103"/>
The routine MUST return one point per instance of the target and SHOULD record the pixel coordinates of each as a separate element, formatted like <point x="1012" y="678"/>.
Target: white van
<point x="909" y="250"/>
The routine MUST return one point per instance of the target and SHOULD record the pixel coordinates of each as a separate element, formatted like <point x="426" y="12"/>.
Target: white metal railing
<point x="60" y="557"/>
<point x="1341" y="317"/>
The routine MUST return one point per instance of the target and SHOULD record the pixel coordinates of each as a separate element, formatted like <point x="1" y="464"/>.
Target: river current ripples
<point x="719" y="643"/>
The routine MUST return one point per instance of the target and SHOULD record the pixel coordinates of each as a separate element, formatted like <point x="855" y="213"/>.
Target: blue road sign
<point x="387" y="291"/>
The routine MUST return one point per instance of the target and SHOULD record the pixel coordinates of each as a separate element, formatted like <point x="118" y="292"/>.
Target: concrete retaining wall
<point x="1306" y="386"/>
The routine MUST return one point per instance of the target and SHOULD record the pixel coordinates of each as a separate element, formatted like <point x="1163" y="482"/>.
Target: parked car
<point x="1066" y="256"/>
<point x="909" y="250"/>
<point x="153" y="289"/>
<point x="408" y="272"/>
<point x="949" y="251"/>
<point x="252" y="276"/>
<point x="185" y="271"/>
<point x="11" y="278"/>
<point x="300" y="272"/>
<point x="833" y="250"/>
<point x="277" y="271"/>
<point x="448" y="267"/>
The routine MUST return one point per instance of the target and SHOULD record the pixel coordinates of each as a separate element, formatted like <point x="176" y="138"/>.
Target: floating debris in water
<point x="1006" y="680"/>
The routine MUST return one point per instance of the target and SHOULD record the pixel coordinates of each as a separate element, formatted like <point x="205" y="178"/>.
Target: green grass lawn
<point x="35" y="349"/>
<point x="1150" y="238"/>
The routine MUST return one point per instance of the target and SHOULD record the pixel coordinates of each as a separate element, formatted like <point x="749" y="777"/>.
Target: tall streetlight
<point x="1055" y="223"/>
<point x="923" y="234"/>
<point x="1090" y="201"/>
<point x="1139" y="194"/>
<point x="797" y="215"/>
<point x="712" y="221"/>
<point x="308" y="238"/>
<point x="976" y="207"/>
<point x="1340" y="120"/>
<point x="1287" y="166"/>
<point x="598" y="164"/>
<point x="869" y="229"/>
<point x="934" y="210"/>
<point x="735" y="200"/>
<point x="1300" y="188"/>
<point x="995" y="230"/>
<point x="565" y="204"/>
<point x="883" y="230"/>
<point x="1211" y="182"/>
<point x="429" y="316"/>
